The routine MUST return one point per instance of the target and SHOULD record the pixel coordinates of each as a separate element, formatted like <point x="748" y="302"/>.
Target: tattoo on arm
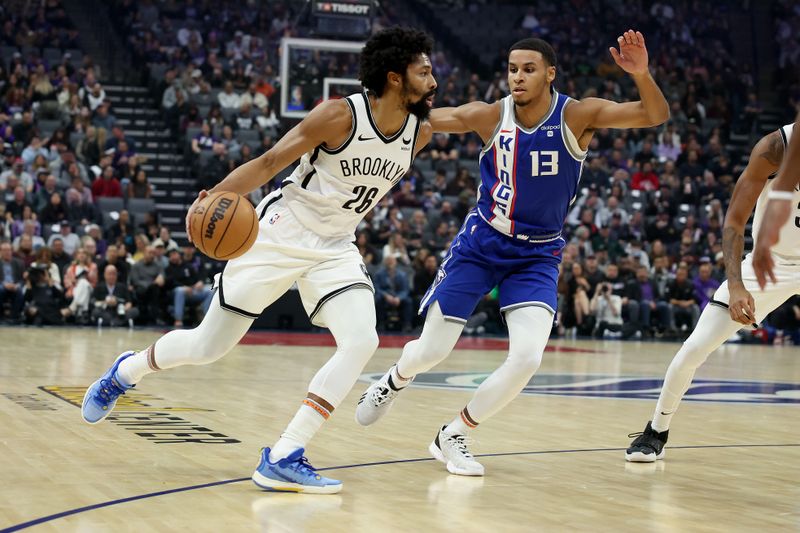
<point x="732" y="249"/>
<point x="774" y="151"/>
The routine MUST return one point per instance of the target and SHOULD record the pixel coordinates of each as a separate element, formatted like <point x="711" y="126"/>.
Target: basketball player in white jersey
<point x="778" y="210"/>
<point x="352" y="151"/>
<point x="535" y="142"/>
<point x="738" y="301"/>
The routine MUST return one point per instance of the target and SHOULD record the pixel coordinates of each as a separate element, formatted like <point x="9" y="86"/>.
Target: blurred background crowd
<point x="95" y="153"/>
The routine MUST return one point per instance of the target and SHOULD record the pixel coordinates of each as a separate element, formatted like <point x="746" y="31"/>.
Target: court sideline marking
<point x="70" y="512"/>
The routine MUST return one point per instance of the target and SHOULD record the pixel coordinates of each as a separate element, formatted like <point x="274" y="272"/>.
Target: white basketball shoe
<point x="377" y="399"/>
<point x="452" y="450"/>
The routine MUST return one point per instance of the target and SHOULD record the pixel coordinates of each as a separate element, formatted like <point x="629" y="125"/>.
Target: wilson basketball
<point x="223" y="225"/>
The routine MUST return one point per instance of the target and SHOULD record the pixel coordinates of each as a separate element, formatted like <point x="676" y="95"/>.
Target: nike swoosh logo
<point x="362" y="138"/>
<point x="665" y="414"/>
<point x="506" y="131"/>
<point x="406" y="141"/>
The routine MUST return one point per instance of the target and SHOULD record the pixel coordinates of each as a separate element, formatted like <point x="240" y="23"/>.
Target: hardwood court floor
<point x="555" y="459"/>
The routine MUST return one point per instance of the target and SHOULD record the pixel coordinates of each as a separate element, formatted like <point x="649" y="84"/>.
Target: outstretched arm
<point x="651" y="110"/>
<point x="479" y="117"/>
<point x="327" y="123"/>
<point x="329" y="120"/>
<point x="778" y="209"/>
<point x="764" y="161"/>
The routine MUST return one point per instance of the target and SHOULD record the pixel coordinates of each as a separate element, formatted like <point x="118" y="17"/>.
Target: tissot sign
<point x="353" y="9"/>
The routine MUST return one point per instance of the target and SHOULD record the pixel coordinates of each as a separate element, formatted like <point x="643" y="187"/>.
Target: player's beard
<point x="420" y="107"/>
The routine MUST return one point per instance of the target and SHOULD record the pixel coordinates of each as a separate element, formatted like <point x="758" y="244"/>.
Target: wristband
<point x="780" y="195"/>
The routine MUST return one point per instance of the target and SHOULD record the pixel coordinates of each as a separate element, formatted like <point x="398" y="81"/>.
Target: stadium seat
<point x="139" y="206"/>
<point x="248" y="136"/>
<point x="47" y="127"/>
<point x="423" y="164"/>
<point x="76" y="58"/>
<point x="52" y="56"/>
<point x="229" y="113"/>
<point x="107" y="206"/>
<point x="7" y="51"/>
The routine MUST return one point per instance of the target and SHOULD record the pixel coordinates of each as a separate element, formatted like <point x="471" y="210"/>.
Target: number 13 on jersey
<point x="544" y="163"/>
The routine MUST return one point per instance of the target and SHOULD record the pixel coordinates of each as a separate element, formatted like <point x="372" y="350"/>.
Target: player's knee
<point x="368" y="342"/>
<point x="526" y="362"/>
<point x="363" y="344"/>
<point x="433" y="352"/>
<point x="693" y="353"/>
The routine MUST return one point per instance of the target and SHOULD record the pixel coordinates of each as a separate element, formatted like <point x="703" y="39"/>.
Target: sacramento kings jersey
<point x="331" y="190"/>
<point x="789" y="240"/>
<point x="529" y="177"/>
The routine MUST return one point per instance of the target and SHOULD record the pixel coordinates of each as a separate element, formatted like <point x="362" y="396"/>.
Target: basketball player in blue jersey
<point x="351" y="151"/>
<point x="535" y="141"/>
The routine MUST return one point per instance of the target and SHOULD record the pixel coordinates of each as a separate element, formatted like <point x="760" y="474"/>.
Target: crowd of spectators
<point x="786" y="15"/>
<point x="63" y="259"/>
<point x="643" y="253"/>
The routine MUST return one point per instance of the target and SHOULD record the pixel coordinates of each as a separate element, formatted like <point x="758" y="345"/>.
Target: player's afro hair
<point x="390" y="50"/>
<point x="537" y="45"/>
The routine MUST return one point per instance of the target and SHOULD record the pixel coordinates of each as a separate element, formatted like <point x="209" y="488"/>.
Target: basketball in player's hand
<point x="223" y="225"/>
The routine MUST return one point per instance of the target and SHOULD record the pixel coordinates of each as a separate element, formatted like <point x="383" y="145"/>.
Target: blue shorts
<point x="481" y="258"/>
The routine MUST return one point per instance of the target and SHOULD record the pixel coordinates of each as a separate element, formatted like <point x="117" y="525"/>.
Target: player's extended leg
<point x="528" y="332"/>
<point x="437" y="340"/>
<point x="214" y="337"/>
<point x="350" y="317"/>
<point x="713" y="328"/>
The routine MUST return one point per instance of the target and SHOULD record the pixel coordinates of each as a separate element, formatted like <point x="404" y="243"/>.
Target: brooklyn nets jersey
<point x="789" y="240"/>
<point x="333" y="189"/>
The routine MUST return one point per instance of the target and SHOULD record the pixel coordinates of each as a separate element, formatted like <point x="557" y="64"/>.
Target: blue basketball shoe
<point x="102" y="395"/>
<point x="292" y="474"/>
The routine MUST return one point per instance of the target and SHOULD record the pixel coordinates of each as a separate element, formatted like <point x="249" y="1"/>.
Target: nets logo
<point x="621" y="387"/>
<point x="217" y="215"/>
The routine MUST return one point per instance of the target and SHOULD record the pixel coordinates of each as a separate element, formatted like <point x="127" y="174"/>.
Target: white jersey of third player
<point x="789" y="241"/>
<point x="331" y="190"/>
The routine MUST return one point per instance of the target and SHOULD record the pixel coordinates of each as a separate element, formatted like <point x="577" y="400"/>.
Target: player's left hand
<point x="632" y="54"/>
<point x="775" y="216"/>
<point x="202" y="194"/>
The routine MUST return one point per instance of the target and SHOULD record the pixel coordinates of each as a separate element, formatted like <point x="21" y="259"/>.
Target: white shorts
<point x="285" y="253"/>
<point x="787" y="272"/>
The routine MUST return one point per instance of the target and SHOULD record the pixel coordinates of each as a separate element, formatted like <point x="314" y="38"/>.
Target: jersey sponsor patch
<point x="620" y="387"/>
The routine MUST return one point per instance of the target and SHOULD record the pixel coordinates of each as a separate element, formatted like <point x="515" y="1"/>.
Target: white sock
<point x="397" y="380"/>
<point x="134" y="368"/>
<point x="661" y="421"/>
<point x="459" y="425"/>
<point x="283" y="448"/>
<point x="301" y="429"/>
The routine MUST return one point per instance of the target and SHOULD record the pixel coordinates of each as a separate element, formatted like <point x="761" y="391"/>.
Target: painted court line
<point x="70" y="512"/>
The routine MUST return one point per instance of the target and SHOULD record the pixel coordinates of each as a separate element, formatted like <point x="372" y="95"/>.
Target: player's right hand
<point x="202" y="194"/>
<point x="741" y="306"/>
<point x="775" y="216"/>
